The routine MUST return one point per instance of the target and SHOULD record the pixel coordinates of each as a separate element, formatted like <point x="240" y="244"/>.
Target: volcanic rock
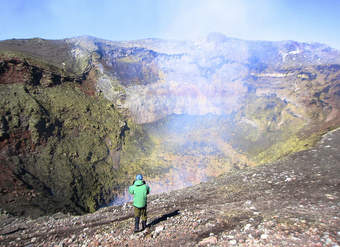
<point x="80" y="117"/>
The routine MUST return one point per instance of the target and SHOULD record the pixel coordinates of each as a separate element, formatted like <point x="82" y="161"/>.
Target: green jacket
<point x="139" y="190"/>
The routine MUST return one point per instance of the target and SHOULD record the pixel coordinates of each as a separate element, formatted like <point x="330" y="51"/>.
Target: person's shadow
<point x="163" y="218"/>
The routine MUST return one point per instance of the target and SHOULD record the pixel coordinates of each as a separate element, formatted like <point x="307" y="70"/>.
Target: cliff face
<point x="211" y="76"/>
<point x="59" y="146"/>
<point x="219" y="103"/>
<point x="80" y="117"/>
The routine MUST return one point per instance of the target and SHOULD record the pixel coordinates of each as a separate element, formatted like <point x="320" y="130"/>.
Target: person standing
<point x="139" y="190"/>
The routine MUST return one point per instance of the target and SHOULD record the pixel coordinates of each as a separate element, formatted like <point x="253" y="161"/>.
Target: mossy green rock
<point x="69" y="138"/>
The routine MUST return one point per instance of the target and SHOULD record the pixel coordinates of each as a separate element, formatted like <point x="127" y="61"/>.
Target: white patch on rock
<point x="233" y="242"/>
<point x="209" y="240"/>
<point x="264" y="236"/>
<point x="159" y="229"/>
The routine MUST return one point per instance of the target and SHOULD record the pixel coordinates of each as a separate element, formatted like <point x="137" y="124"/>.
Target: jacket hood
<point x="139" y="182"/>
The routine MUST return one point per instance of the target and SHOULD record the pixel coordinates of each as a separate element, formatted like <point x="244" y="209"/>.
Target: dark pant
<point x="140" y="212"/>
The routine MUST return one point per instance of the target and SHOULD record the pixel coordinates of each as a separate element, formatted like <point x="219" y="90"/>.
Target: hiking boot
<point x="136" y="224"/>
<point x="143" y="225"/>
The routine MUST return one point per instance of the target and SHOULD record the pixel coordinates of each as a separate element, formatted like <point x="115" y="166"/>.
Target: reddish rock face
<point x="88" y="86"/>
<point x="18" y="142"/>
<point x="13" y="191"/>
<point x="18" y="70"/>
<point x="14" y="70"/>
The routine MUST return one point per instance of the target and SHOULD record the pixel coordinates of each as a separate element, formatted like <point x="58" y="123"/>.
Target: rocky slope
<point x="81" y="116"/>
<point x="291" y="202"/>
<point x="57" y="143"/>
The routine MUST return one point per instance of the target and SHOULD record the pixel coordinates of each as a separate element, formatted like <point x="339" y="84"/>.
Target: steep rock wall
<point x="58" y="145"/>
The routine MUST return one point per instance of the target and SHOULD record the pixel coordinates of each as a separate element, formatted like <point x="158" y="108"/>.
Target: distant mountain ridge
<point x="100" y="111"/>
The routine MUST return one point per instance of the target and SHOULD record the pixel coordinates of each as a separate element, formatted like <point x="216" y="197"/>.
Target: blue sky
<point x="301" y="20"/>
